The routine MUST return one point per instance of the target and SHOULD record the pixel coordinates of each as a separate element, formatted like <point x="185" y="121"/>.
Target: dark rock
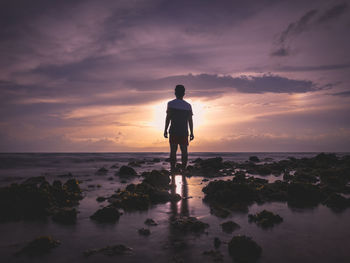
<point x="188" y="224"/>
<point x="244" y="249"/>
<point x="69" y="175"/>
<point x="337" y="202"/>
<point x="304" y="195"/>
<point x="102" y="171"/>
<point x="219" y="211"/>
<point x="101" y="199"/>
<point x="39" y="246"/>
<point x="215" y="255"/>
<point x="254" y="159"/>
<point x="34" y="180"/>
<point x="156" y="160"/>
<point x="107" y="214"/>
<point x="136" y="163"/>
<point x="28" y="201"/>
<point x="110" y="178"/>
<point x="66" y="215"/>
<point x="126" y="171"/>
<point x="72" y="185"/>
<point x="229" y="226"/>
<point x="144" y="232"/>
<point x="114" y="166"/>
<point x="150" y="222"/>
<point x="205" y="180"/>
<point x="217" y="242"/>
<point x="141" y="196"/>
<point x="265" y="219"/>
<point x="156" y="178"/>
<point x="109" y="250"/>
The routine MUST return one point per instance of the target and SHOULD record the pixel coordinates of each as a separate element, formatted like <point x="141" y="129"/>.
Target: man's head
<point x="179" y="91"/>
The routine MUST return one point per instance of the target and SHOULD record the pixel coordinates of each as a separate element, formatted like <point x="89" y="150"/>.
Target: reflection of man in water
<point x="179" y="113"/>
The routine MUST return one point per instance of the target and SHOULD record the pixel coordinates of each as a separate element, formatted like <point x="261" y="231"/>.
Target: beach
<point x="313" y="229"/>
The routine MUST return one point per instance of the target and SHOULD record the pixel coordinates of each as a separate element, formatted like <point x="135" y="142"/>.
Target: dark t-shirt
<point x="179" y="112"/>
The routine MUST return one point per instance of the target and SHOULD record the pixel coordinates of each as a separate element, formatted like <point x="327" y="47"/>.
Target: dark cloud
<point x="307" y="21"/>
<point x="301" y="68"/>
<point x="281" y="52"/>
<point x="216" y="84"/>
<point x="293" y="29"/>
<point x="333" y="12"/>
<point x="297" y="27"/>
<point x="341" y="94"/>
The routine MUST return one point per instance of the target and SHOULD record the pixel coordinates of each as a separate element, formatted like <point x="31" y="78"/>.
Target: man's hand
<point x="165" y="134"/>
<point x="191" y="137"/>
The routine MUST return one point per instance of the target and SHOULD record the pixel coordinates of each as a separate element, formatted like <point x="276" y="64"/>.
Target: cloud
<point x="287" y="68"/>
<point x="216" y="84"/>
<point x="333" y="12"/>
<point x="307" y="21"/>
<point x="341" y="94"/>
<point x="293" y="29"/>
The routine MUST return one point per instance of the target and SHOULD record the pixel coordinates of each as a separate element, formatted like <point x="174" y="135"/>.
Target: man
<point x="179" y="114"/>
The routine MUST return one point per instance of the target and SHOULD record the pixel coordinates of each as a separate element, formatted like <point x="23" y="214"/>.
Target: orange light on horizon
<point x="159" y="114"/>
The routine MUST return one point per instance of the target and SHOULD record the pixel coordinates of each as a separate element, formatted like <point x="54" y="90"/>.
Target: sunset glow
<point x="260" y="75"/>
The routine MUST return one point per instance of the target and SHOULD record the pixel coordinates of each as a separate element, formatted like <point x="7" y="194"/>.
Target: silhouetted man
<point x="179" y="114"/>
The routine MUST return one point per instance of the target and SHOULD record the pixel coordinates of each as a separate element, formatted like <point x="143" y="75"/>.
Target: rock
<point x="72" y="185"/>
<point x="337" y="202"/>
<point x="205" y="180"/>
<point x="39" y="246"/>
<point x="265" y="219"/>
<point x="126" y="171"/>
<point x="114" y="166"/>
<point x="156" y="160"/>
<point x="188" y="224"/>
<point x="70" y="175"/>
<point x="34" y="180"/>
<point x="136" y="163"/>
<point x="28" y="201"/>
<point x="101" y="199"/>
<point x="141" y="196"/>
<point x="102" y="171"/>
<point x="229" y="226"/>
<point x="304" y="195"/>
<point x="66" y="215"/>
<point x="109" y="250"/>
<point x="215" y="255"/>
<point x="107" y="214"/>
<point x="156" y="178"/>
<point x="244" y="249"/>
<point x="254" y="159"/>
<point x="217" y="242"/>
<point x="219" y="211"/>
<point x="110" y="178"/>
<point x="144" y="232"/>
<point x="150" y="222"/>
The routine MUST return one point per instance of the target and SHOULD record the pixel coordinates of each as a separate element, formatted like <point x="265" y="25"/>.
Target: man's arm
<point x="167" y="121"/>
<point x="190" y="123"/>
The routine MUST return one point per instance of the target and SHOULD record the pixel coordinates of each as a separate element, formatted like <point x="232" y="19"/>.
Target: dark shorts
<point x="182" y="140"/>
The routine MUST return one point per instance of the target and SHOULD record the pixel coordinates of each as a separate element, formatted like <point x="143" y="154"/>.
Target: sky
<point x="96" y="76"/>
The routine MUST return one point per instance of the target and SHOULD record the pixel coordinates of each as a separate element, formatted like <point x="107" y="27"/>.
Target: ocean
<point x="306" y="235"/>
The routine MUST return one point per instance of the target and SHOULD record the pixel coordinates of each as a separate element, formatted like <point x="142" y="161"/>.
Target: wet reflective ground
<point x="305" y="235"/>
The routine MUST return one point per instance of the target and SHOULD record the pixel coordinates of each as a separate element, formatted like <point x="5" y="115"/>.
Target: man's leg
<point x="184" y="155"/>
<point x="173" y="149"/>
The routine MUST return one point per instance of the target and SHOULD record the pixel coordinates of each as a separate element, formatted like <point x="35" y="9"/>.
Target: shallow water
<point x="305" y="235"/>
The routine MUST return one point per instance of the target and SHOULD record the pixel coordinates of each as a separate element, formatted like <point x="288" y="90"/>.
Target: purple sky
<point x="262" y="75"/>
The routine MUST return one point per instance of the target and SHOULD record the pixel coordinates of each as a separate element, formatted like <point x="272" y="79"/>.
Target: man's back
<point x="179" y="112"/>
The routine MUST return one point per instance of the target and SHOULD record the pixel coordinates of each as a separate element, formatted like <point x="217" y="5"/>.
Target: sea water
<point x="305" y="235"/>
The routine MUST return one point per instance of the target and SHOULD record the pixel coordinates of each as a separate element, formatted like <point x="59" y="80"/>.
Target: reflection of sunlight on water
<point x="178" y="182"/>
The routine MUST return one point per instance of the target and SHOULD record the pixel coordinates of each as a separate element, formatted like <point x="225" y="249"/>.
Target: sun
<point x="159" y="114"/>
